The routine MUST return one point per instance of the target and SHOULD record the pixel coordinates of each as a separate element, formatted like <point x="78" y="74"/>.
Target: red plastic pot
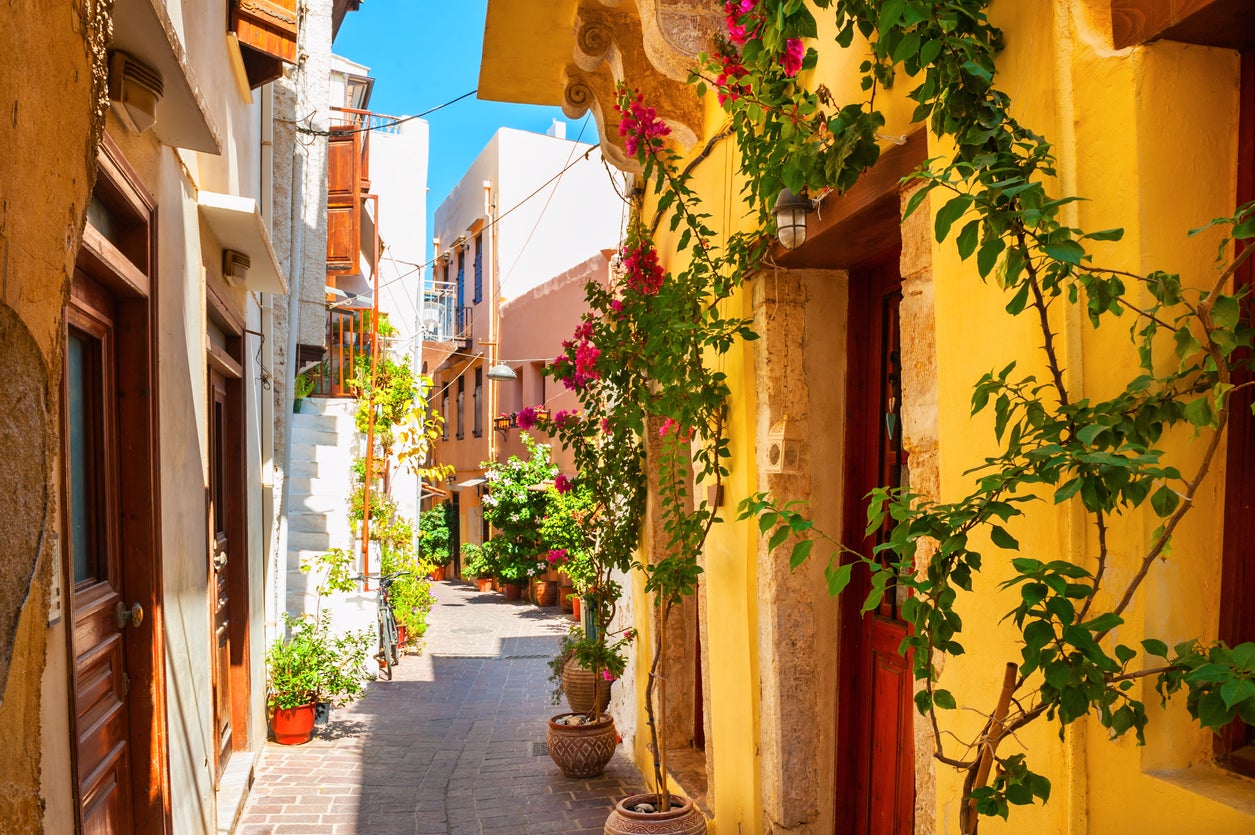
<point x="293" y="726"/>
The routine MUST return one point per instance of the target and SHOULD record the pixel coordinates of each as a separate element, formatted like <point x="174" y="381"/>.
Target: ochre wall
<point x="52" y="78"/>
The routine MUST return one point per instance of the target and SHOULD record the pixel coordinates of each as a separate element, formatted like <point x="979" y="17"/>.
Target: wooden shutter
<point x="344" y="205"/>
<point x="266" y="30"/>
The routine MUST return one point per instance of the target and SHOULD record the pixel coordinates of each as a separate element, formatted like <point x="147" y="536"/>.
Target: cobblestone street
<point x="451" y="745"/>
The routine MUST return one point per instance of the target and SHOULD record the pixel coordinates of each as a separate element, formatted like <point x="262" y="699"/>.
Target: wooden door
<point x="92" y="532"/>
<point x="875" y="745"/>
<point x="220" y="547"/>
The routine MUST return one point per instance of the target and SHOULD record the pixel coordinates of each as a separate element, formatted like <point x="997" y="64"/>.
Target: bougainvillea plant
<point x="514" y="507"/>
<point x="654" y="336"/>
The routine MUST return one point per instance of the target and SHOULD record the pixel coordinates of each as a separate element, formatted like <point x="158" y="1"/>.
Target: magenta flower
<point x="644" y="273"/>
<point x="605" y="426"/>
<point x="556" y="556"/>
<point x="794" y="52"/>
<point x="583" y="371"/>
<point x="640" y="126"/>
<point x="562" y="418"/>
<point x="562" y="484"/>
<point x="667" y="426"/>
<point x="727" y="81"/>
<point x="526" y="418"/>
<point x="616" y="305"/>
<point x="735" y="12"/>
<point x="607" y="675"/>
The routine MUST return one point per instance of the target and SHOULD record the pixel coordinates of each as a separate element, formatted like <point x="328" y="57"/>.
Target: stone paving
<point x="450" y="745"/>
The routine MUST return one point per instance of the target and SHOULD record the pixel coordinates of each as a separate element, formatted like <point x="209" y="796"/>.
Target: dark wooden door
<point x="220" y="547"/>
<point x="875" y="745"/>
<point x="92" y="525"/>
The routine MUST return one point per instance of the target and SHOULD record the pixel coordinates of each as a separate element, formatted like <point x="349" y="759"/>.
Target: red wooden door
<point x="875" y="746"/>
<point x="92" y="525"/>
<point x="220" y="547"/>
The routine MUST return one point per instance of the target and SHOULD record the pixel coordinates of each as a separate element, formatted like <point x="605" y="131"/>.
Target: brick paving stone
<point x="446" y="746"/>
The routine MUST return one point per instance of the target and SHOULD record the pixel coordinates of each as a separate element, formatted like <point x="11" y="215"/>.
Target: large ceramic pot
<point x="582" y="751"/>
<point x="564" y="597"/>
<point x="295" y="725"/>
<point x="438" y="574"/>
<point x="546" y="592"/>
<point x="577" y="685"/>
<point x="483" y="583"/>
<point x="512" y="591"/>
<point x="682" y="818"/>
<point x="575" y="607"/>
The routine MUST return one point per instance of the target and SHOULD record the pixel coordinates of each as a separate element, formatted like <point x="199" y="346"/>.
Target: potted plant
<point x="303" y="386"/>
<point x="434" y="535"/>
<point x="410" y="594"/>
<point x="309" y="666"/>
<point x="479" y="565"/>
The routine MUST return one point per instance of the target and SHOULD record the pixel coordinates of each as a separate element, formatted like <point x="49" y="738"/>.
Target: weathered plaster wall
<point x="54" y="54"/>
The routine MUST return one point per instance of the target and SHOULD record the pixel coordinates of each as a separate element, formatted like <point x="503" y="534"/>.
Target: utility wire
<point x="300" y="128"/>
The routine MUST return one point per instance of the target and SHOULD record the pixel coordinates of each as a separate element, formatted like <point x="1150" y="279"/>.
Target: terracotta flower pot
<point x="582" y="751"/>
<point x="483" y="583"/>
<point x="577" y="686"/>
<point x="401" y="635"/>
<point x="682" y="818"/>
<point x="546" y="592"/>
<point x="575" y="607"/>
<point x="295" y="725"/>
<point x="513" y="591"/>
<point x="437" y="573"/>
<point x="564" y="597"/>
<point x="496" y="584"/>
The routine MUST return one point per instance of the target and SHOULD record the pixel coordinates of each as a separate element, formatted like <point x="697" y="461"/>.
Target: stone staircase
<point x="324" y="441"/>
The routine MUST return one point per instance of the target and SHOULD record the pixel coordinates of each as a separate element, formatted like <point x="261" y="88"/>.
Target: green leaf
<point x="838" y="577"/>
<point x="1237" y="690"/>
<point x="1069" y="252"/>
<point x="949" y="213"/>
<point x="1003" y="539"/>
<point x="968" y="238"/>
<point x="1226" y="312"/>
<point x="1164" y="502"/>
<point x="944" y="700"/>
<point x="1198" y="411"/>
<point x="923" y="703"/>
<point x="801" y="551"/>
<point x="1104" y="622"/>
<point x="1106" y="235"/>
<point x="890" y="14"/>
<point x="1213" y="712"/>
<point x="987" y="255"/>
<point x="974" y="69"/>
<point x="1125" y="654"/>
<point x="1156" y="647"/>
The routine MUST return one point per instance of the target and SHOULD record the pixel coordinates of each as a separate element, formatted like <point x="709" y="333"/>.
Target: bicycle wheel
<point x="394" y="647"/>
<point x="384" y="656"/>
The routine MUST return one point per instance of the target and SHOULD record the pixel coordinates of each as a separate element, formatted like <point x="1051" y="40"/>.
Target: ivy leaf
<point x="1226" y="312"/>
<point x="1198" y="411"/>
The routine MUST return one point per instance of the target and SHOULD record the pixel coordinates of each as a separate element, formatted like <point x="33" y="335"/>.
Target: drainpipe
<point x="279" y="556"/>
<point x="267" y="428"/>
<point x="491" y="343"/>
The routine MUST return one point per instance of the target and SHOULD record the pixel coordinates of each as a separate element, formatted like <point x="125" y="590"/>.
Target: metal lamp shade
<point x="791" y="211"/>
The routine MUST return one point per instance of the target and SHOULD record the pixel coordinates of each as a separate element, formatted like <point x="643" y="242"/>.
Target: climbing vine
<point x="650" y="335"/>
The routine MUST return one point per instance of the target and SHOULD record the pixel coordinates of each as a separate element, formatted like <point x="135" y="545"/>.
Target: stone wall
<point x="53" y="77"/>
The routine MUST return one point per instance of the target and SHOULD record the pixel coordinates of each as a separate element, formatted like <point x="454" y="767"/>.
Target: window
<point x="461" y="410"/>
<point x="478" y="399"/>
<point x="462" y="277"/>
<point x="266" y="32"/>
<point x="479" y="268"/>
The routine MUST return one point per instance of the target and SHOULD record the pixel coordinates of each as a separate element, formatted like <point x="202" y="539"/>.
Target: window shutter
<point x="266" y="30"/>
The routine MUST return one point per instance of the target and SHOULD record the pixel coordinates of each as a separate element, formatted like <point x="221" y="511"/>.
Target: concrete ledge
<point x="233" y="788"/>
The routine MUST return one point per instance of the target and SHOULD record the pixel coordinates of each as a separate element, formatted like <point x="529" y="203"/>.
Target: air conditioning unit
<point x="235" y="266"/>
<point x="134" y="90"/>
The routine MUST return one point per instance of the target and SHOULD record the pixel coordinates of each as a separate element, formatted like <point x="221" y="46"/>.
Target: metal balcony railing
<point x="443" y="319"/>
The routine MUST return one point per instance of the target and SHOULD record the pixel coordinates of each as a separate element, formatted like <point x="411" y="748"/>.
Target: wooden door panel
<point x="220" y="550"/>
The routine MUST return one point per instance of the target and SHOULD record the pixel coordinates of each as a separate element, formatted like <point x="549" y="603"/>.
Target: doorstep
<point x="237" y="779"/>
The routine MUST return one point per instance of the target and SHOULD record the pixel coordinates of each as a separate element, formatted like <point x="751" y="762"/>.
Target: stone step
<point x="336" y="524"/>
<point x="318" y="435"/>
<point x="336" y="503"/>
<point x="330" y="486"/>
<point x="308" y="541"/>
<point x="323" y="454"/>
<point x="315" y="406"/>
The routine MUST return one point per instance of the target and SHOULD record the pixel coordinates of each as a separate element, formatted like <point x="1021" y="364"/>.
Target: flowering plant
<point x="515" y="511"/>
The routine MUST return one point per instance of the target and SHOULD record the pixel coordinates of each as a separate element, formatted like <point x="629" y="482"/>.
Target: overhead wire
<point x="301" y="128"/>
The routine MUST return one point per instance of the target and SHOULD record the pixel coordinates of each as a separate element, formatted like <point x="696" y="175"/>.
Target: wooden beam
<point x="1224" y="23"/>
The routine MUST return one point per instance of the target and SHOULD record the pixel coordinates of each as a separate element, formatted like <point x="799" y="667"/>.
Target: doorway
<point x="875" y="737"/>
<point x="111" y="565"/>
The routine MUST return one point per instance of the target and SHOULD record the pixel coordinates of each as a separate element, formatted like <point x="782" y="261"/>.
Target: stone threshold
<point x="233" y="788"/>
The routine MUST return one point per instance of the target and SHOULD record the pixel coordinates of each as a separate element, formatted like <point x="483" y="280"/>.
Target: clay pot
<point x="483" y="583"/>
<point x="564" y="597"/>
<point x="575" y="607"/>
<point x="496" y="584"/>
<point x="546" y="592"/>
<point x="401" y="635"/>
<point x="294" y="725"/>
<point x="577" y="685"/>
<point x="437" y="574"/>
<point x="682" y="818"/>
<point x="513" y="591"/>
<point x="582" y="751"/>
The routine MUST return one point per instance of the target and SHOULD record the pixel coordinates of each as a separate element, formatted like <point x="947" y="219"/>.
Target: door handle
<point x="220" y="560"/>
<point x="122" y="614"/>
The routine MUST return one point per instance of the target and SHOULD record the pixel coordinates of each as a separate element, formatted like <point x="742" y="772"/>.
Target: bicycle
<point x="389" y="654"/>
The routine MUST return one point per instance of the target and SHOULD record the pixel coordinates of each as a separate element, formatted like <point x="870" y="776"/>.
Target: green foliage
<point x="410" y="595"/>
<point x="434" y="533"/>
<point x="391" y="394"/>
<point x="304" y="384"/>
<point x="515" y="511"/>
<point x="604" y="658"/>
<point x="477" y="561"/>
<point x="314" y="664"/>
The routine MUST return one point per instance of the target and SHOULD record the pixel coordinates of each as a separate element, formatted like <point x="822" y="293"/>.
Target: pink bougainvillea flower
<point x="561" y="483"/>
<point x="727" y="80"/>
<point x="616" y="305"/>
<point x="605" y="426"/>
<point x="556" y="556"/>
<point x="667" y="426"/>
<point x="794" y="52"/>
<point x="734" y="13"/>
<point x="639" y="125"/>
<point x="583" y="371"/>
<point x="643" y="272"/>
<point x="526" y="418"/>
<point x="562" y="418"/>
<point x="607" y="675"/>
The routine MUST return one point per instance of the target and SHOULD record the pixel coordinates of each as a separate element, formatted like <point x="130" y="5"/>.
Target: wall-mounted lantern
<point x="784" y="449"/>
<point x="791" y="211"/>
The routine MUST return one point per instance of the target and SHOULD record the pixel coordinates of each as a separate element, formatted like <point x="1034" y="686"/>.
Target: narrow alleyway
<point x="448" y="746"/>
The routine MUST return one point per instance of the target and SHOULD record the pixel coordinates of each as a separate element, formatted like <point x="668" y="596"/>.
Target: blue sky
<point x="423" y="53"/>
